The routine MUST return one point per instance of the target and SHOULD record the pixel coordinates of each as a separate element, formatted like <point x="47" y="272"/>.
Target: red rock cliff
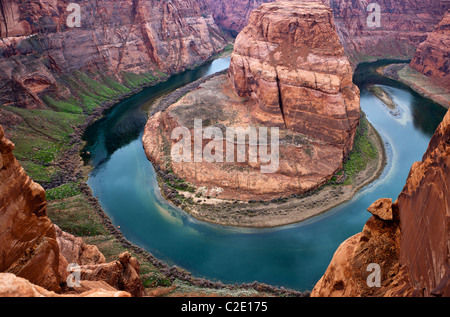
<point x="133" y="36"/>
<point x="432" y="57"/>
<point x="28" y="246"/>
<point x="31" y="247"/>
<point x="290" y="60"/>
<point x="410" y="246"/>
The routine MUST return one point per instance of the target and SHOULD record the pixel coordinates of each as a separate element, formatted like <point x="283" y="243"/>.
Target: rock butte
<point x="307" y="92"/>
<point x="290" y="61"/>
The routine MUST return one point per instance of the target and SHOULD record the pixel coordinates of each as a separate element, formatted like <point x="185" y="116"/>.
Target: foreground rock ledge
<point x="35" y="254"/>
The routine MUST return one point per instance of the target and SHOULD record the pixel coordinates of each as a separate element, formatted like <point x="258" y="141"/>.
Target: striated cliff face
<point x="233" y="15"/>
<point x="411" y="246"/>
<point x="424" y="212"/>
<point x="432" y="57"/>
<point x="290" y="61"/>
<point x="403" y="24"/>
<point x="131" y="36"/>
<point x="33" y="248"/>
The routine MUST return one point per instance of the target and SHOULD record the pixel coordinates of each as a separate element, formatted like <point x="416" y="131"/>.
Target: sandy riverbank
<point x="432" y="88"/>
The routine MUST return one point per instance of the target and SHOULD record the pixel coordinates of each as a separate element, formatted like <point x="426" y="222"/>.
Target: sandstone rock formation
<point x="287" y="71"/>
<point x="290" y="61"/>
<point x="432" y="57"/>
<point x="411" y="249"/>
<point x="33" y="248"/>
<point x="27" y="237"/>
<point x="13" y="286"/>
<point x="404" y="24"/>
<point x="115" y="37"/>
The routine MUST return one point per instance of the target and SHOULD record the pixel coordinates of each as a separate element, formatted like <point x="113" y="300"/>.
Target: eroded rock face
<point x="115" y="36"/>
<point x="412" y="248"/>
<point x="28" y="246"/>
<point x="424" y="211"/>
<point x="432" y="57"/>
<point x="74" y="250"/>
<point x="290" y="61"/>
<point x="382" y="208"/>
<point x="403" y="25"/>
<point x="233" y="15"/>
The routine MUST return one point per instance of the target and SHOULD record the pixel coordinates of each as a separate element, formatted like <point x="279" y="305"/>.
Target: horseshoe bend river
<point x="293" y="256"/>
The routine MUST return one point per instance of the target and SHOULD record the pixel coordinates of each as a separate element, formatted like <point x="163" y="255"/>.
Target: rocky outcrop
<point x="74" y="250"/>
<point x="432" y="57"/>
<point x="290" y="61"/>
<point x="28" y="245"/>
<point x="33" y="248"/>
<point x="424" y="211"/>
<point x="13" y="286"/>
<point x="411" y="249"/>
<point x="114" y="38"/>
<point x="403" y="24"/>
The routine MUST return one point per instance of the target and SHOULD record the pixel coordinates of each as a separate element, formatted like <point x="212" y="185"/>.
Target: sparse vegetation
<point x="363" y="151"/>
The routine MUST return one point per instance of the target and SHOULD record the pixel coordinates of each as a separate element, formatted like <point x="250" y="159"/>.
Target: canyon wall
<point x="411" y="246"/>
<point x="233" y="15"/>
<point x="114" y="38"/>
<point x="33" y="248"/>
<point x="28" y="246"/>
<point x="403" y="24"/>
<point x="432" y="57"/>
<point x="290" y="61"/>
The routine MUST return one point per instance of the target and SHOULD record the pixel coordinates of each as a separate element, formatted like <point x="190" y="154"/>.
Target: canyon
<point x="122" y="46"/>
<point x="282" y="74"/>
<point x="407" y="239"/>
